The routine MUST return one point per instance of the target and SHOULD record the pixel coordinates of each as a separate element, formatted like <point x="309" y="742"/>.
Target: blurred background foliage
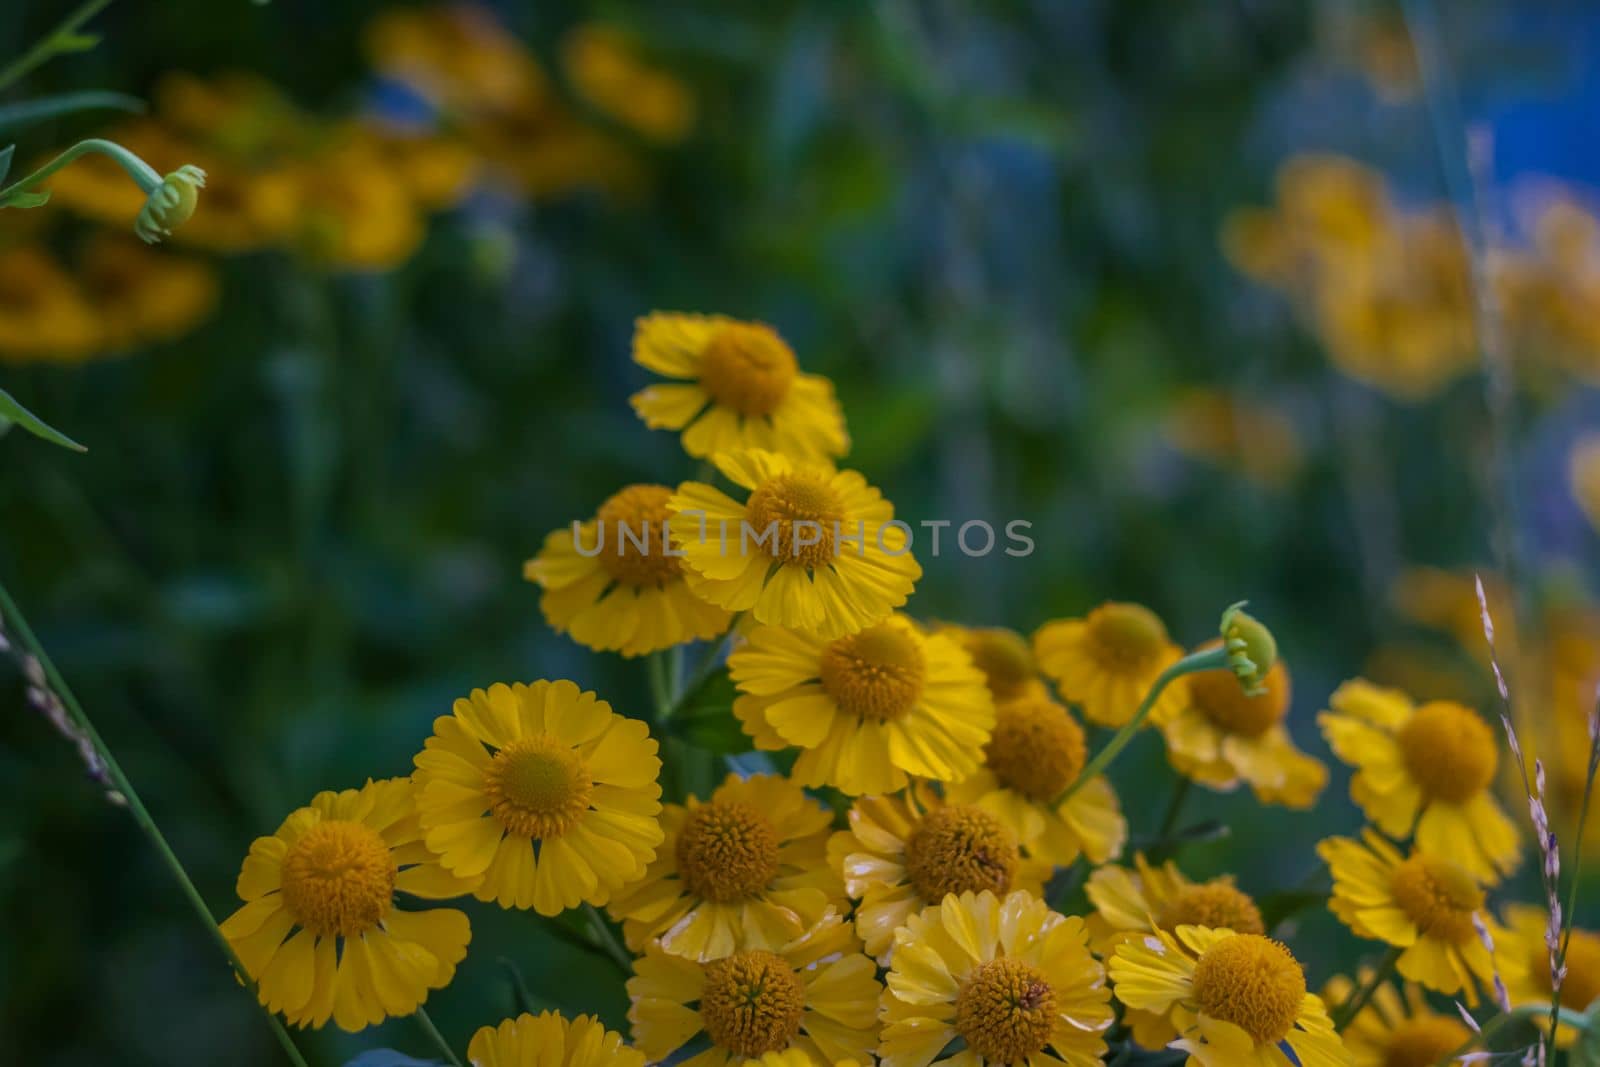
<point x="1180" y="284"/>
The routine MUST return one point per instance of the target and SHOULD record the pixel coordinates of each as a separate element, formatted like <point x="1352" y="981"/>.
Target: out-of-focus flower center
<point x="1424" y="1040"/>
<point x="1252" y="982"/>
<point x="1126" y="635"/>
<point x="1581" y="986"/>
<point x="1221" y="699"/>
<point x="1006" y="1011"/>
<point x="1036" y="749"/>
<point x="1216" y="905"/>
<point x="1005" y="660"/>
<point x="747" y="367"/>
<point x="1438" y="896"/>
<point x="960" y="849"/>
<point x="801" y="509"/>
<point x="751" y="1003"/>
<point x="632" y="525"/>
<point x="537" y="787"/>
<point x="876" y="674"/>
<point x="338" y="878"/>
<point x="727" y="851"/>
<point x="1449" y="750"/>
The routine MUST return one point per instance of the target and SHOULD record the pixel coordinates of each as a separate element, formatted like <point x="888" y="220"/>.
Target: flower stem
<point x="1358" y="999"/>
<point x="1180" y="793"/>
<point x="606" y="940"/>
<point x="1564" y="1016"/>
<point x="141" y="815"/>
<point x="1205" y="660"/>
<point x="141" y="172"/>
<point x="436" y="1037"/>
<point x="64" y="38"/>
<point x="660" y="686"/>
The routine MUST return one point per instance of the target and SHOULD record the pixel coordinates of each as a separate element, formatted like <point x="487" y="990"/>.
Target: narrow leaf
<point x="388" y="1057"/>
<point x="15" y="116"/>
<point x="11" y="411"/>
<point x="5" y="160"/>
<point x="25" y="198"/>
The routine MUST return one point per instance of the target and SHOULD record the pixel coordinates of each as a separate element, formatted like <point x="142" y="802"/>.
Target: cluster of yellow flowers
<point x="884" y="897"/>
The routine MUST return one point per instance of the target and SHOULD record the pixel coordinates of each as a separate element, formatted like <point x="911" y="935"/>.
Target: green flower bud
<point x="170" y="204"/>
<point x="1251" y="648"/>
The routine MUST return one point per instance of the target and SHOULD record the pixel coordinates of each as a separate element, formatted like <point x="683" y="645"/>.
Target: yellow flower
<point x="1583" y="477"/>
<point x="458" y="56"/>
<point x="811" y="549"/>
<point x="605" y="68"/>
<point x="144" y="296"/>
<point x="549" y="1040"/>
<point x="737" y="387"/>
<point x="1424" y="905"/>
<point x="355" y="213"/>
<point x="437" y="171"/>
<point x="1004" y="656"/>
<point x="1236" y="999"/>
<point x="1037" y="749"/>
<point x="1130" y="904"/>
<point x="1581" y="986"/>
<point x="1396" y="1028"/>
<point x="1223" y="737"/>
<point x="616" y="587"/>
<point x="746" y="870"/>
<point x="866" y="709"/>
<point x="1431" y="768"/>
<point x="540" y="795"/>
<point x="905" y="853"/>
<point x="319" y="931"/>
<point x="1007" y="975"/>
<point x="814" y="993"/>
<point x="1107" y="661"/>
<point x="44" y="315"/>
<point x="1258" y="440"/>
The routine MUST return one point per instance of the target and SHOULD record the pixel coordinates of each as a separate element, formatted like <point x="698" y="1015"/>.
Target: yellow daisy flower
<point x="1223" y="736"/>
<point x="905" y="853"/>
<point x="142" y="295"/>
<point x="1579" y="989"/>
<point x="737" y="387"/>
<point x="1424" y="905"/>
<point x="549" y="1040"/>
<point x="1036" y="750"/>
<point x="1130" y="904"/>
<point x="1397" y="1027"/>
<point x="319" y="931"/>
<point x="866" y="709"/>
<point x="1004" y="656"/>
<point x="745" y="870"/>
<point x="1007" y="975"/>
<point x="1238" y="1000"/>
<point x="615" y="586"/>
<point x="540" y="795"/>
<point x="811" y="549"/>
<point x="1428" y="770"/>
<point x="815" y="994"/>
<point x="44" y="315"/>
<point x="605" y="67"/>
<point x="1106" y="662"/>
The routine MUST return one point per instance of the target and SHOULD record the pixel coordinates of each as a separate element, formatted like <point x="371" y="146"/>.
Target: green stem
<point x="436" y="1037"/>
<point x="607" y="940"/>
<point x="1569" y="917"/>
<point x="703" y="670"/>
<point x="1489" y="1029"/>
<point x="141" y="815"/>
<point x="1179" y="794"/>
<point x="61" y="39"/>
<point x="1206" y="660"/>
<point x="141" y="172"/>
<point x="1358" y="999"/>
<point x="660" y="687"/>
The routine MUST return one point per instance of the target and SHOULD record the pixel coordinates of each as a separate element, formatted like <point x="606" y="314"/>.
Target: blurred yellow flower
<point x="908" y="852"/>
<point x="319" y="931"/>
<point x="815" y="994"/>
<point x="1583" y="477"/>
<point x="1004" y="656"/>
<point x="1106" y="662"/>
<point x="1423" y="904"/>
<point x="812" y="549"/>
<point x="355" y="213"/>
<point x="437" y="171"/>
<point x="458" y="55"/>
<point x="866" y="709"/>
<point x="549" y="1040"/>
<point x="1579" y="989"/>
<point x="44" y="314"/>
<point x="1037" y="749"/>
<point x="143" y="296"/>
<point x="540" y="796"/>
<point x="614" y="586"/>
<point x="1397" y="1027"/>
<point x="747" y="869"/>
<point x="605" y="68"/>
<point x="1006" y="975"/>
<point x="1426" y="770"/>
<point x="738" y="387"/>
<point x="1257" y="440"/>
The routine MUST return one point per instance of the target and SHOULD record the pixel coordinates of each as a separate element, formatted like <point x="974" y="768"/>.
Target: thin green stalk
<point x="1357" y="1000"/>
<point x="660" y="687"/>
<point x="436" y="1037"/>
<point x="608" y="940"/>
<point x="703" y="670"/>
<point x="141" y="815"/>
<point x="141" y="172"/>
<point x="64" y="38"/>
<point x="1569" y="916"/>
<point x="1489" y="1029"/>
<point x="1205" y="660"/>
<point x="1180" y="793"/>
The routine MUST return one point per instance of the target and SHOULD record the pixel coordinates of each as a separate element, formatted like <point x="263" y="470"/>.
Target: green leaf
<point x="5" y="160"/>
<point x="706" y="718"/>
<point x="25" y="198"/>
<point x="11" y="411"/>
<point x="522" y="999"/>
<point x="65" y="44"/>
<point x="15" y="116"/>
<point x="1276" y="907"/>
<point x="1586" y="1053"/>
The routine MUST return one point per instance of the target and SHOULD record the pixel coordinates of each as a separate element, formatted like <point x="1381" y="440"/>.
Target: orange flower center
<point x="1216" y="905"/>
<point x="338" y="879"/>
<point x="1221" y="699"/>
<point x="1438" y="896"/>
<point x="793" y="516"/>
<point x="751" y="1003"/>
<point x="1449" y="750"/>
<point x="1424" y="1040"/>
<point x="960" y="849"/>
<point x="1581" y="987"/>
<point x="876" y="674"/>
<point x="727" y="851"/>
<point x="1252" y="982"/>
<point x="747" y="367"/>
<point x="1036" y="749"/>
<point x="537" y="787"/>
<point x="1126" y="635"/>
<point x="1005" y="660"/>
<point x="1006" y="1011"/>
<point x="632" y="526"/>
